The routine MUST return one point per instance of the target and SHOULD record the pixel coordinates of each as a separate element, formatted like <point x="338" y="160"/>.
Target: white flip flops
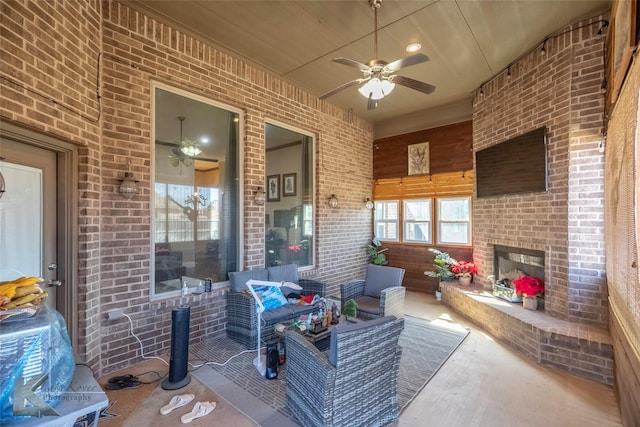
<point x="200" y="409"/>
<point x="176" y="402"/>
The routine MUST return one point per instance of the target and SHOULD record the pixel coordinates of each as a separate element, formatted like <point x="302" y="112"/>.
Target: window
<point x="386" y="220"/>
<point x="452" y="219"/>
<point x="454" y="223"/>
<point x="196" y="214"/>
<point x="417" y="220"/>
<point x="289" y="210"/>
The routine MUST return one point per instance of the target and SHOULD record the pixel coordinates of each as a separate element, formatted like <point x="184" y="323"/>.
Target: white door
<point x="28" y="237"/>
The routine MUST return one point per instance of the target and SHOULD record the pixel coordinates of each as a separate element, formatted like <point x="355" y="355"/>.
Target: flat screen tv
<point x="517" y="165"/>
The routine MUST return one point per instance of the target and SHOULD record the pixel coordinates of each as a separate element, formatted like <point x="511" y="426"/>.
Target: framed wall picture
<point x="289" y="184"/>
<point x="418" y="159"/>
<point x="273" y="188"/>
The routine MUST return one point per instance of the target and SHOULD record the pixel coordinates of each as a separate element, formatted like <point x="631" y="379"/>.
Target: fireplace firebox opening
<point x="526" y="266"/>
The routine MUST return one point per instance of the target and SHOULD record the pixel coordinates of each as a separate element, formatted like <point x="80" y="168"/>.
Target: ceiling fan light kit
<point x="376" y="89"/>
<point x="190" y="150"/>
<point x="186" y="152"/>
<point x="378" y="78"/>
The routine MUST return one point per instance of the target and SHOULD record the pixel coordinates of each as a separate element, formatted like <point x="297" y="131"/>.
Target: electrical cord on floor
<point x="228" y="360"/>
<point x="217" y="363"/>
<point x="140" y="342"/>
<point x="87" y="366"/>
<point x="160" y="377"/>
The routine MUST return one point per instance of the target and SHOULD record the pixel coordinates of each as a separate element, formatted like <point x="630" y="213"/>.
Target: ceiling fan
<point x="184" y="151"/>
<point x="377" y="75"/>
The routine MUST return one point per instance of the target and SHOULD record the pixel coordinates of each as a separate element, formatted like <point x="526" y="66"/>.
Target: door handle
<point x="55" y="283"/>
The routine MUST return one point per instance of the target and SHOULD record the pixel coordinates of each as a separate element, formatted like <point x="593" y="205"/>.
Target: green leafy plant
<point x="350" y="308"/>
<point x="442" y="267"/>
<point x="376" y="255"/>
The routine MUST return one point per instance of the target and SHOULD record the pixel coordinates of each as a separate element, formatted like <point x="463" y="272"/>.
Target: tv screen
<point x="517" y="165"/>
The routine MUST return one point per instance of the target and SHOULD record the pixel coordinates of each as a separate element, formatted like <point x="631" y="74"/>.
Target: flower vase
<point x="465" y="280"/>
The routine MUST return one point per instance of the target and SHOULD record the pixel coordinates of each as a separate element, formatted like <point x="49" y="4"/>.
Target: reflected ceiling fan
<point x="184" y="151"/>
<point x="377" y="75"/>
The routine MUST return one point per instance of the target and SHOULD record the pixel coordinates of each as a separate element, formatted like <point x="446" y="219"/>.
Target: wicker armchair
<point x="380" y="294"/>
<point x="354" y="384"/>
<point x="242" y="321"/>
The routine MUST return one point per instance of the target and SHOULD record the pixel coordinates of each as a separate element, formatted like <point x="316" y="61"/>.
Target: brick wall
<point x="114" y="233"/>
<point x="559" y="90"/>
<point x="49" y="65"/>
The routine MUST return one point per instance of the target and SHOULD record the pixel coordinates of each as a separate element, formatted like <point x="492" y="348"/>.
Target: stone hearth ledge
<point x="581" y="349"/>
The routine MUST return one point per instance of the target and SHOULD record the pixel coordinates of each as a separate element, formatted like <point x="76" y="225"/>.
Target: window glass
<point x="417" y="220"/>
<point x="454" y="223"/>
<point x="289" y="209"/>
<point x="386" y="220"/>
<point x="196" y="221"/>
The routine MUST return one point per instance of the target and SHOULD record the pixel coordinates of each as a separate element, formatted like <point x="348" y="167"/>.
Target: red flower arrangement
<point x="295" y="248"/>
<point x="463" y="268"/>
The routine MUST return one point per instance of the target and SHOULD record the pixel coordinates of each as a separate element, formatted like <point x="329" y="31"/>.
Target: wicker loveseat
<point x="354" y="384"/>
<point x="241" y="307"/>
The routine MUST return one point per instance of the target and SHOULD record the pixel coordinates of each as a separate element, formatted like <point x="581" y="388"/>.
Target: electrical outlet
<point x="115" y="314"/>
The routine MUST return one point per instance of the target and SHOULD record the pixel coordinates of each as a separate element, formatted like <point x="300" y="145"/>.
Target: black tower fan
<point x="179" y="362"/>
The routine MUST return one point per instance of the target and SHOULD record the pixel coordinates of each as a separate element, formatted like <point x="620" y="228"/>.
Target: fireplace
<point x="508" y="261"/>
<point x="512" y="263"/>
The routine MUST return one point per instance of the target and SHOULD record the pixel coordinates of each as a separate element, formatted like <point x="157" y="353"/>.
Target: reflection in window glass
<point x="196" y="192"/>
<point x="417" y="221"/>
<point x="289" y="210"/>
<point x="454" y="220"/>
<point x="386" y="220"/>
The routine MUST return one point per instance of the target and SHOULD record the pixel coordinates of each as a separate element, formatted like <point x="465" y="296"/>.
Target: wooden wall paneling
<point x="416" y="259"/>
<point x="450" y="149"/>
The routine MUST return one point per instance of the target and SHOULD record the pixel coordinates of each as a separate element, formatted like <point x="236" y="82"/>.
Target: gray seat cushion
<point x="369" y="305"/>
<point x="286" y="313"/>
<point x="379" y="277"/>
<point x="351" y="327"/>
<point x="283" y="273"/>
<point x="239" y="279"/>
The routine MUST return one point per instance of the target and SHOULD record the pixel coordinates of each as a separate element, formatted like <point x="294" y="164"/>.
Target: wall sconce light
<point x="128" y="186"/>
<point x="368" y="203"/>
<point x="259" y="197"/>
<point x="333" y="201"/>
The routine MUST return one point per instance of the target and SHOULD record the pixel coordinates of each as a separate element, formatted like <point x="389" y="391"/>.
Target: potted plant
<point x="350" y="309"/>
<point x="464" y="271"/>
<point x="442" y="269"/>
<point x="376" y="255"/>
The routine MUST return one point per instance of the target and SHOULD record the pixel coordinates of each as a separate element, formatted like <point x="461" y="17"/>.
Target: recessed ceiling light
<point x="413" y="47"/>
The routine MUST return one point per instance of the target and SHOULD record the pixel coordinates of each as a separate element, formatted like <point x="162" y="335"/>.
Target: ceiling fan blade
<point x="342" y="87"/>
<point x="412" y="84"/>
<point x="350" y="62"/>
<point x="372" y="104"/>
<point x="416" y="58"/>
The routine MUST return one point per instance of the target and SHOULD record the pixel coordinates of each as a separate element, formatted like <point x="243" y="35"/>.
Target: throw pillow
<point x="271" y="297"/>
